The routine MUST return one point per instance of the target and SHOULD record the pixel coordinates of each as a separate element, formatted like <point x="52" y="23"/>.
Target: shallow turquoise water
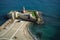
<point x="50" y="30"/>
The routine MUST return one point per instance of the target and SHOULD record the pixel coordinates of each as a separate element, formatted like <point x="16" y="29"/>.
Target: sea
<point x="50" y="29"/>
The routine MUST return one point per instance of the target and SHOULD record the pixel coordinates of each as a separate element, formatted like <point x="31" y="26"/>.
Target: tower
<point x="23" y="9"/>
<point x="13" y="16"/>
<point x="37" y="12"/>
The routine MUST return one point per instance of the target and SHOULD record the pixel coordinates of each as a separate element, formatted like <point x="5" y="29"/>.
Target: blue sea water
<point x="50" y="9"/>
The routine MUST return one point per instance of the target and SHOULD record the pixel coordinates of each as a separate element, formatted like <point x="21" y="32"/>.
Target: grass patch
<point x="33" y="13"/>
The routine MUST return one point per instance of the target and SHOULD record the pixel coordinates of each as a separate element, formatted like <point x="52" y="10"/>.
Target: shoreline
<point x="29" y="30"/>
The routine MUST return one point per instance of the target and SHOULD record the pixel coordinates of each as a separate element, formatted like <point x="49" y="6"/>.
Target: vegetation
<point x="33" y="13"/>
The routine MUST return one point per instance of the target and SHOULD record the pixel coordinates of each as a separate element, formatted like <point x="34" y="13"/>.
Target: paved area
<point x="17" y="31"/>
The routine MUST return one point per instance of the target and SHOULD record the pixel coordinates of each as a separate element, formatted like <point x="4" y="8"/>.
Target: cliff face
<point x="17" y="31"/>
